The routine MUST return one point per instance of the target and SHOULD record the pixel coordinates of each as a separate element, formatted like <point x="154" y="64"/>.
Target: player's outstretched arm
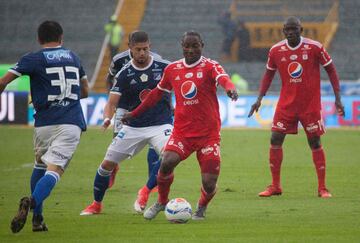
<point x="152" y="98"/>
<point x="229" y="87"/>
<point x="110" y="108"/>
<point x="5" y="80"/>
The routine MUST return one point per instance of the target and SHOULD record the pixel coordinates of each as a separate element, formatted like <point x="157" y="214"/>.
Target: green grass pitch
<point x="236" y="214"/>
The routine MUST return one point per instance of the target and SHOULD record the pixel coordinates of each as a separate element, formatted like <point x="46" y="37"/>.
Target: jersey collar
<point x="296" y="47"/>
<point x="194" y="64"/>
<point x="52" y="47"/>
<point x="142" y="69"/>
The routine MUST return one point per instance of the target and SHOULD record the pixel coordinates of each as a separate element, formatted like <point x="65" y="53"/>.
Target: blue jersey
<point x="117" y="63"/>
<point x="137" y="83"/>
<point x="55" y="75"/>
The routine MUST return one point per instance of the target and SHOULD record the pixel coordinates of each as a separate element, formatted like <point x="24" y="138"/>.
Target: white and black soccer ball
<point x="178" y="210"/>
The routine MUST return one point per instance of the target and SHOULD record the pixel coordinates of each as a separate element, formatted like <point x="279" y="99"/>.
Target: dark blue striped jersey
<point x="55" y="75"/>
<point x="117" y="63"/>
<point x="137" y="83"/>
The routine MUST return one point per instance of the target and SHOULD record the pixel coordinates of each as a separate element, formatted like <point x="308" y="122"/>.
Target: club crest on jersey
<point x="144" y="77"/>
<point x="295" y="69"/>
<point x="143" y="94"/>
<point x="188" y="90"/>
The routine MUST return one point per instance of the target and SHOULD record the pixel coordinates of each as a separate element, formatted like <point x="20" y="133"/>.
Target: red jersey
<point x="197" y="107"/>
<point x="299" y="69"/>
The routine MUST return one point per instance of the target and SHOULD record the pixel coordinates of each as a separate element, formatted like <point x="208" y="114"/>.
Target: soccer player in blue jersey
<point x="57" y="82"/>
<point x="117" y="63"/>
<point x="135" y="80"/>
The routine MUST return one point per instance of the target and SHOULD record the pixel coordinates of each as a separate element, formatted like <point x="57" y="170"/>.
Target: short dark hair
<point x="192" y="33"/>
<point x="49" y="31"/>
<point x="138" y="36"/>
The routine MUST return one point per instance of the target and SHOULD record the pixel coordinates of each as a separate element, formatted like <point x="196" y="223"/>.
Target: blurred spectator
<point x="243" y="34"/>
<point x="115" y="32"/>
<point x="229" y="30"/>
<point x="241" y="84"/>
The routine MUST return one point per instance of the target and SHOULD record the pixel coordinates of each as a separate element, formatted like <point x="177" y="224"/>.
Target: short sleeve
<point x="217" y="71"/>
<point x="120" y="84"/>
<point x="271" y="64"/>
<point x="165" y="82"/>
<point x="25" y="66"/>
<point x="324" y="57"/>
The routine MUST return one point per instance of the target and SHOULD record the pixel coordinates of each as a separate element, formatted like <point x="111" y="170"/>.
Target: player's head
<point x="292" y="30"/>
<point x="192" y="45"/>
<point x="139" y="44"/>
<point x="50" y="31"/>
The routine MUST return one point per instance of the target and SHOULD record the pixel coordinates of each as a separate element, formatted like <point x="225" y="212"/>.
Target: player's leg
<point x="119" y="113"/>
<point x="160" y="136"/>
<point x="283" y="123"/>
<point x="122" y="147"/>
<point x="209" y="160"/>
<point x="38" y="172"/>
<point x="314" y="128"/>
<point x="152" y="159"/>
<point x="170" y="160"/>
<point x="63" y="142"/>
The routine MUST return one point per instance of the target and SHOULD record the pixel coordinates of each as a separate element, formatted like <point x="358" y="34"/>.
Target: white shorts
<point x="119" y="113"/>
<point x="131" y="140"/>
<point x="56" y="144"/>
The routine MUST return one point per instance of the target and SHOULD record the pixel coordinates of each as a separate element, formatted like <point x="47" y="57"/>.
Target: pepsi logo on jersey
<point x="295" y="70"/>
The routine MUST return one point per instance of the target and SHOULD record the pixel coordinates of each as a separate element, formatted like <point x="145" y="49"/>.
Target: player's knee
<point x="277" y="139"/>
<point x="209" y="186"/>
<point x="108" y="165"/>
<point x="169" y="162"/>
<point x="314" y="142"/>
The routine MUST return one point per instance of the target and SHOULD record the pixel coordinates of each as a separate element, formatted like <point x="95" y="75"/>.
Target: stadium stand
<point x="83" y="26"/>
<point x="166" y="21"/>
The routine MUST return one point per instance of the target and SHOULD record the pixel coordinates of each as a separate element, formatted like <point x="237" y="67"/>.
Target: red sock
<point x="164" y="182"/>
<point x="205" y="197"/>
<point x="276" y="157"/>
<point x="319" y="162"/>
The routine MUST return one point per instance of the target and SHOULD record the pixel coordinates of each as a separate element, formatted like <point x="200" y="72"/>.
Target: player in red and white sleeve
<point x="194" y="80"/>
<point x="298" y="61"/>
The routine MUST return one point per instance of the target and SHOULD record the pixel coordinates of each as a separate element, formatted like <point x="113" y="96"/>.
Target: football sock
<point x="320" y="165"/>
<point x="152" y="159"/>
<point x="38" y="172"/>
<point x="101" y="183"/>
<point x="164" y="182"/>
<point x="44" y="187"/>
<point x="151" y="183"/>
<point x="205" y="197"/>
<point x="276" y="157"/>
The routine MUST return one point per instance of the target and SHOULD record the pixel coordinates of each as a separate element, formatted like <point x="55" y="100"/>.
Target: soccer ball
<point x="178" y="210"/>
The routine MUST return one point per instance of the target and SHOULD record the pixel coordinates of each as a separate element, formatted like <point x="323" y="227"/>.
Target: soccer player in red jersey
<point x="298" y="61"/>
<point x="194" y="81"/>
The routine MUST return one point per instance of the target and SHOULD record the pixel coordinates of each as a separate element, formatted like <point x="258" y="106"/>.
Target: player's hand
<point x="339" y="107"/>
<point x="255" y="107"/>
<point x="232" y="94"/>
<point x="106" y="123"/>
<point x="126" y="118"/>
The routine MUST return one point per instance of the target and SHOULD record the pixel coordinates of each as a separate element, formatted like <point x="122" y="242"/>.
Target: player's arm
<point x="152" y="99"/>
<point x="264" y="87"/>
<point x="229" y="87"/>
<point x="84" y="88"/>
<point x="110" y="108"/>
<point x="6" y="79"/>
<point x="109" y="81"/>
<point x="334" y="79"/>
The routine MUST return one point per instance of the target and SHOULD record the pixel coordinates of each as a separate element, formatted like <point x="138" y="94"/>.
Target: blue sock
<point x="37" y="174"/>
<point x="152" y="158"/>
<point x="101" y="183"/>
<point x="151" y="183"/>
<point x="44" y="186"/>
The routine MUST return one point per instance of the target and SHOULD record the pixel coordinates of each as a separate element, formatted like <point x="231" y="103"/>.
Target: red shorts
<point x="285" y="122"/>
<point x="207" y="151"/>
